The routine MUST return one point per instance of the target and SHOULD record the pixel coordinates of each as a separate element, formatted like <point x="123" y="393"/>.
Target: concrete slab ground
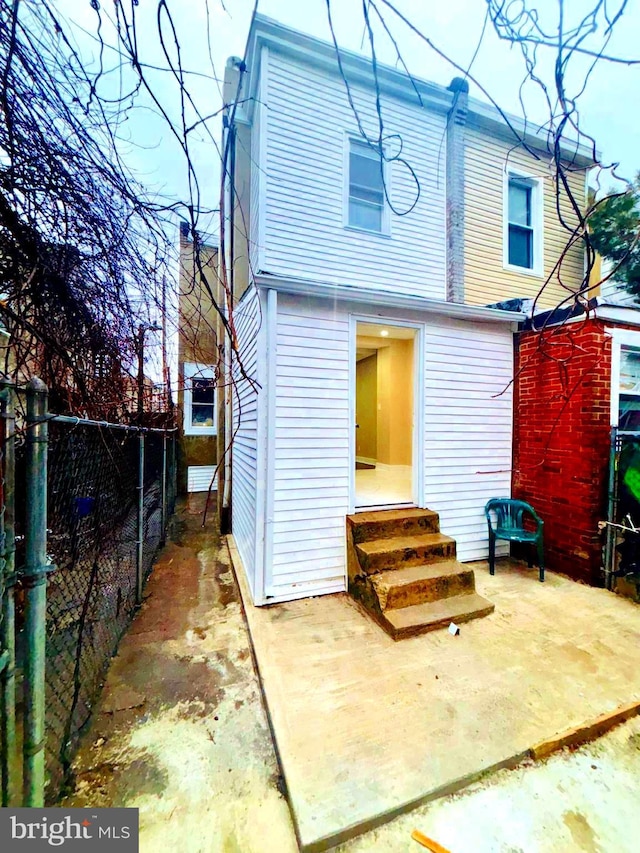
<point x="575" y="802"/>
<point x="367" y="728"/>
<point x="180" y="731"/>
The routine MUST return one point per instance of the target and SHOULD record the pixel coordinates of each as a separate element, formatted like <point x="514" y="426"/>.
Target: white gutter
<point x="372" y="297"/>
<point x="630" y="316"/>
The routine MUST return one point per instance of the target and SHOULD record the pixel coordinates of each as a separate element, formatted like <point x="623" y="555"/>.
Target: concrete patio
<point x="367" y="728"/>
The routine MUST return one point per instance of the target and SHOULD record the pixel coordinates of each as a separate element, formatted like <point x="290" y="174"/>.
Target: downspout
<point x="226" y="497"/>
<point x="232" y="85"/>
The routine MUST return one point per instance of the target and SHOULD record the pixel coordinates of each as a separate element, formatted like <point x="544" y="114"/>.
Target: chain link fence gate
<point x="110" y="491"/>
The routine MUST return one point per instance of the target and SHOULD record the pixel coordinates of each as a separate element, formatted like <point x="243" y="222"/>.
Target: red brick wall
<point x="561" y="440"/>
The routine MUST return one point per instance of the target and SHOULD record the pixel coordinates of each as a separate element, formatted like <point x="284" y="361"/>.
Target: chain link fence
<point x="110" y="491"/>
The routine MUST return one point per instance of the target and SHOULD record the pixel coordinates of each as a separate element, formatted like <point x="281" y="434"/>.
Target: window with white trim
<point x="629" y="388"/>
<point x="366" y="188"/>
<point x="199" y="399"/>
<point x="523" y="248"/>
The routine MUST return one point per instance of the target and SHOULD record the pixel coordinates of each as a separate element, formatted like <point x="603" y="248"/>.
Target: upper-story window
<point x="523" y="237"/>
<point x="366" y="188"/>
<point x="199" y="399"/>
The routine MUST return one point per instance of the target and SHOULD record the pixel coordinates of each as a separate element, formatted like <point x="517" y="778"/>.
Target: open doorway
<point x="384" y="415"/>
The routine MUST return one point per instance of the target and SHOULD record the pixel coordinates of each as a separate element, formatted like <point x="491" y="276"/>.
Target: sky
<point x="209" y="31"/>
<point x="607" y="107"/>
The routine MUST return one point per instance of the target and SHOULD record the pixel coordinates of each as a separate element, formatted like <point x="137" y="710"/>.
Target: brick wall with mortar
<point x="561" y="440"/>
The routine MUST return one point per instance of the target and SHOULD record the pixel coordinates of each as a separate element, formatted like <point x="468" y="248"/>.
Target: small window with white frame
<point x="366" y="204"/>
<point x="199" y="399"/>
<point x="523" y="232"/>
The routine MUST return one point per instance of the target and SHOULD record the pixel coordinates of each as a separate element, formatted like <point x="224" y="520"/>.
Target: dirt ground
<point x="181" y="733"/>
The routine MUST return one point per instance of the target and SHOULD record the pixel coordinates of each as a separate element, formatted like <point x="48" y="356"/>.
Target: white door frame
<point x="417" y="453"/>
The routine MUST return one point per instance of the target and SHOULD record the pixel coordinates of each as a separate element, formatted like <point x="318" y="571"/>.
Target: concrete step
<point x="420" y="584"/>
<point x="400" y="552"/>
<point x="386" y="524"/>
<point x="420" y="618"/>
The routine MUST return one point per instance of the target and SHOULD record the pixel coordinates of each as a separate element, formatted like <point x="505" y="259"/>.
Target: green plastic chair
<point x="509" y="525"/>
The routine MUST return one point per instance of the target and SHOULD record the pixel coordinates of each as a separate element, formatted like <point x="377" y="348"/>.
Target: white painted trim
<point x="537" y="218"/>
<point x="262" y="455"/>
<point x="271" y="340"/>
<point x="296" y="592"/>
<point x="386" y="178"/>
<point x="388" y="299"/>
<point x="586" y="207"/>
<point x="352" y="415"/>
<point x="262" y="156"/>
<point x="191" y="370"/>
<point x="618" y="315"/>
<point x="418" y="414"/>
<point x="377" y="507"/>
<point x="619" y="338"/>
<point x="419" y="409"/>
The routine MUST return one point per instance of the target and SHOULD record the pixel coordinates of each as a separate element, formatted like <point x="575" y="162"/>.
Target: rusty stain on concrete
<point x="581" y="832"/>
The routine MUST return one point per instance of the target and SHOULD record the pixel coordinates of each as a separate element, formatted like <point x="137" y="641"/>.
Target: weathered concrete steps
<point x="405" y="572"/>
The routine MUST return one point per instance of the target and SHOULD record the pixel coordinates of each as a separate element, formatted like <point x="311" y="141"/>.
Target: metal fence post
<point x="163" y="527"/>
<point x="140" y="531"/>
<point x="35" y="582"/>
<point x="9" y="756"/>
<point x="174" y="471"/>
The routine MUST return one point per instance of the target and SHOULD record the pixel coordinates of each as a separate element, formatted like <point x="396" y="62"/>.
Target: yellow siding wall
<point x="198" y="335"/>
<point x="486" y="281"/>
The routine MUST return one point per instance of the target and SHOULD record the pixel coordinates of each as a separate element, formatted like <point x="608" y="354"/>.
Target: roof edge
<point x="358" y="69"/>
<point x="370" y="296"/>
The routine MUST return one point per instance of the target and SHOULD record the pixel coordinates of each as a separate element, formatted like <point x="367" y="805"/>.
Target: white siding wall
<point x="468" y="428"/>
<point x="257" y="189"/>
<point x="467" y="437"/>
<point x="245" y="445"/>
<point x="306" y="121"/>
<point x="311" y="465"/>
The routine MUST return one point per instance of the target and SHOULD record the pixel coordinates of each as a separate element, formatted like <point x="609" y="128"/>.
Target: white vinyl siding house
<point x="306" y="127"/>
<point x="331" y="253"/>
<point x="305" y="415"/>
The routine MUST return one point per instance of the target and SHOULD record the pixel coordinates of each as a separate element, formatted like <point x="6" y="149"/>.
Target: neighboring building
<point x="376" y="376"/>
<point x="198" y="366"/>
<point x="577" y="380"/>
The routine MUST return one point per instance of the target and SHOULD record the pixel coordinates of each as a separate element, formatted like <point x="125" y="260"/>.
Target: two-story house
<point x="377" y="376"/>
